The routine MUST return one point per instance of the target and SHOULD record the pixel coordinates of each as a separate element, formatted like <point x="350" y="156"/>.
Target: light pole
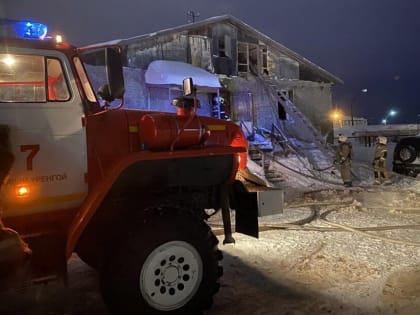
<point x="391" y="113"/>
<point x="351" y="104"/>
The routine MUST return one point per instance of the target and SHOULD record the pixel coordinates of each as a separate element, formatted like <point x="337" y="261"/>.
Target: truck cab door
<point x="41" y="106"/>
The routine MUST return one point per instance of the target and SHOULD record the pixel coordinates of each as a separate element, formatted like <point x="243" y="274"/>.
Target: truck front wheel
<point x="167" y="264"/>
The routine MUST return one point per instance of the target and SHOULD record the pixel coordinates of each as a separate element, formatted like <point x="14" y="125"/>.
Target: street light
<point x="391" y="113"/>
<point x="337" y="118"/>
<point x="351" y="104"/>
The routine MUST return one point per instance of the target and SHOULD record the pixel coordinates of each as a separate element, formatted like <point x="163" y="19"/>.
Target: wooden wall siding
<point x="204" y="52"/>
<point x="244" y="36"/>
<point x="226" y="62"/>
<point x="200" y="52"/>
<point x="166" y="47"/>
<point x="284" y="68"/>
<point x="242" y="106"/>
<point x="306" y="75"/>
<point x="313" y="99"/>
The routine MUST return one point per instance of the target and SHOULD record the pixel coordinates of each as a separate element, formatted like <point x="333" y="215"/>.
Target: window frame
<point x="65" y="80"/>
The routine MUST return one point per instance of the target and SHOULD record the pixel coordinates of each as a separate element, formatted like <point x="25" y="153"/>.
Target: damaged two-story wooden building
<point x="241" y="75"/>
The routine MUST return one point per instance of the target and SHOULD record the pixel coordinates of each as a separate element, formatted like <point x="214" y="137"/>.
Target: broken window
<point x="285" y="95"/>
<point x="290" y="95"/>
<point x="264" y="59"/>
<point x="243" y="57"/>
<point x="224" y="46"/>
<point x="252" y="58"/>
<point x="281" y="111"/>
<point x="248" y="58"/>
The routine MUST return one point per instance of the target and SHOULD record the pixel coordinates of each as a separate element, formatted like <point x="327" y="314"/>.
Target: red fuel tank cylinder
<point x="158" y="131"/>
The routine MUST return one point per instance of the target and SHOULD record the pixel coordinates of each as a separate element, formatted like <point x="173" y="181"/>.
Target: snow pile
<point x="300" y="174"/>
<point x="164" y="72"/>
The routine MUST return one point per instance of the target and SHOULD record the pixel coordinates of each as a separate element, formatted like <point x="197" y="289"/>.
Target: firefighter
<point x="343" y="159"/>
<point x="379" y="162"/>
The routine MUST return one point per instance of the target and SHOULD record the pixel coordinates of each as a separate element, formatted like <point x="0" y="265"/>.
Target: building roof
<point x="240" y="24"/>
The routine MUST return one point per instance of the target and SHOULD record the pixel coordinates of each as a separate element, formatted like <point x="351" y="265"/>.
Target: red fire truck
<point x="129" y="191"/>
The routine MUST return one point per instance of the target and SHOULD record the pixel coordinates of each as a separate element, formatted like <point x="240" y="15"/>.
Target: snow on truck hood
<point x="164" y="72"/>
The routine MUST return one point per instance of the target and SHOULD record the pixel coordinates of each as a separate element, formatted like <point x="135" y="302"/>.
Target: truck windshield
<point x="31" y="78"/>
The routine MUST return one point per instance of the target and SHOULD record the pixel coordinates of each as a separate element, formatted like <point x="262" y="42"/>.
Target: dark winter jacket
<point x="344" y="153"/>
<point x="381" y="152"/>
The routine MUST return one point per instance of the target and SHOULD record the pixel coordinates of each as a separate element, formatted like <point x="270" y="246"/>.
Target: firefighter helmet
<point x="381" y="140"/>
<point x="342" y="138"/>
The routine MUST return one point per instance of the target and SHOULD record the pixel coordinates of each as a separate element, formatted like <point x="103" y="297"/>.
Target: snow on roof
<point x="164" y="72"/>
<point x="114" y="42"/>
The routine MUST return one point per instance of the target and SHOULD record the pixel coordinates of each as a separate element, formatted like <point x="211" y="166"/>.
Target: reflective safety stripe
<point x="133" y="129"/>
<point x="216" y="127"/>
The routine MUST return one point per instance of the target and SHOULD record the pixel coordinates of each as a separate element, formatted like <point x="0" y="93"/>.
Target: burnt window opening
<point x="248" y="58"/>
<point x="243" y="65"/>
<point x="264" y="60"/>
<point x="252" y="58"/>
<point x="224" y="46"/>
<point x="285" y="95"/>
<point x="290" y="95"/>
<point x="281" y="111"/>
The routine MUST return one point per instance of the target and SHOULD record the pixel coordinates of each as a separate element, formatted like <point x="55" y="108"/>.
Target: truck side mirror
<point x="188" y="86"/>
<point x="114" y="71"/>
<point x="104" y="93"/>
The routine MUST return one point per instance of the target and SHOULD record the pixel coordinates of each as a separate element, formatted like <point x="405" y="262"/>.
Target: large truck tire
<point x="406" y="153"/>
<point x="168" y="263"/>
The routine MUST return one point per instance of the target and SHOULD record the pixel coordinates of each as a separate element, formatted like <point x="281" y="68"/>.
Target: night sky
<point x="371" y="44"/>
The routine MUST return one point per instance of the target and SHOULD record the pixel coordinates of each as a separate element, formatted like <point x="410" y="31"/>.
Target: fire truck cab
<point x="128" y="190"/>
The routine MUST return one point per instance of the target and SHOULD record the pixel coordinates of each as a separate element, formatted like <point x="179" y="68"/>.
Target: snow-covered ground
<point x="325" y="266"/>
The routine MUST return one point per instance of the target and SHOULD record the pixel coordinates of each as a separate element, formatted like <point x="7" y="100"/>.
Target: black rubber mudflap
<point x="245" y="204"/>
